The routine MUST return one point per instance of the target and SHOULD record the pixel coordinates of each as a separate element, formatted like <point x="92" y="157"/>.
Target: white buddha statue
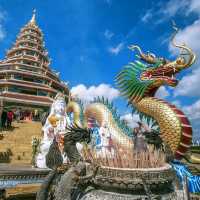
<point x="53" y="128"/>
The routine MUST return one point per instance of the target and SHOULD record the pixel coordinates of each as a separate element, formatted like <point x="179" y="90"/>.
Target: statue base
<point x="125" y="183"/>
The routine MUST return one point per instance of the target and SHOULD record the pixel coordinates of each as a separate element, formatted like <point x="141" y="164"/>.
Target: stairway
<point x="19" y="141"/>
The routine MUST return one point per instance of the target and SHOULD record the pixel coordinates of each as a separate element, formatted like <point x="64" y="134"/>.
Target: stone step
<point x="19" y="141"/>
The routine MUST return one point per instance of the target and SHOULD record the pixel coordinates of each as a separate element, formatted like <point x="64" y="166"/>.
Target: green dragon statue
<point x="140" y="80"/>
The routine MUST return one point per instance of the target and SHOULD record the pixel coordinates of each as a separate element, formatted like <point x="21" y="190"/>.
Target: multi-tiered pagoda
<point x="26" y="79"/>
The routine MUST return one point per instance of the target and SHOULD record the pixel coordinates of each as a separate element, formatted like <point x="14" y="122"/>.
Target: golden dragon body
<point x="104" y="113"/>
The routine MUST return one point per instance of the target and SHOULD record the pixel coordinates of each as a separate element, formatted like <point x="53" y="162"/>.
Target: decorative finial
<point x="33" y="17"/>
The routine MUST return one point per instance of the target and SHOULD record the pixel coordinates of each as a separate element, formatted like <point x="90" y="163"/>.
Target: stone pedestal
<point x="132" y="184"/>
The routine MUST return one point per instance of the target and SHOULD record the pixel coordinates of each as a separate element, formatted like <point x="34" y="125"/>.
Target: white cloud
<point x="194" y="6"/>
<point x="131" y="119"/>
<point x="2" y="16"/>
<point x="148" y="15"/>
<point x="193" y="111"/>
<point x="190" y="36"/>
<point x="2" y="33"/>
<point x="88" y="94"/>
<point x="173" y="6"/>
<point x="108" y="34"/>
<point x="162" y="92"/>
<point x="117" y="49"/>
<point x="189" y="85"/>
<point x="2" y="19"/>
<point x="164" y="11"/>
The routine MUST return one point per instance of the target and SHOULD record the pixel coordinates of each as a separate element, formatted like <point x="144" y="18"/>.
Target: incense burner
<point x="126" y="183"/>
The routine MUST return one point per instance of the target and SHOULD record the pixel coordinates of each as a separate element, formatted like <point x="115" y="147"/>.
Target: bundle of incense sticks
<point x="126" y="158"/>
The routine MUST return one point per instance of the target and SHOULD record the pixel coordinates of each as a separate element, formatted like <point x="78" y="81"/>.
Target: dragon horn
<point x="133" y="47"/>
<point x="192" y="57"/>
<point x="146" y="57"/>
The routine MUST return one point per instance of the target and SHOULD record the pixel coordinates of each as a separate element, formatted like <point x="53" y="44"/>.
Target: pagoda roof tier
<point x="27" y="84"/>
<point x="13" y="66"/>
<point x="25" y="98"/>
<point x="16" y="66"/>
<point x="13" y="80"/>
<point x="34" y="29"/>
<point x="21" y="35"/>
<point x="18" y="42"/>
<point x="24" y="57"/>
<point x="43" y="54"/>
<point x="62" y="85"/>
<point x="40" y="70"/>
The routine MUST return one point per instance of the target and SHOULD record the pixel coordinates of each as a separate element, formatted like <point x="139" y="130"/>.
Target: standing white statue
<point x="106" y="145"/>
<point x="53" y="128"/>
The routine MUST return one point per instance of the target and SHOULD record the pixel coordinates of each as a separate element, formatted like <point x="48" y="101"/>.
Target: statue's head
<point x="59" y="104"/>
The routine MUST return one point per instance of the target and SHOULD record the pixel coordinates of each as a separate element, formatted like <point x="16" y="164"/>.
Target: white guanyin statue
<point x="54" y="128"/>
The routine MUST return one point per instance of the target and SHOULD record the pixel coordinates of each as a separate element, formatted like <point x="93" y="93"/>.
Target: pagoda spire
<point x="30" y="46"/>
<point x="33" y="21"/>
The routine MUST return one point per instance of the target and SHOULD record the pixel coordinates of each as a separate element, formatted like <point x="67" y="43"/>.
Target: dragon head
<point x="141" y="79"/>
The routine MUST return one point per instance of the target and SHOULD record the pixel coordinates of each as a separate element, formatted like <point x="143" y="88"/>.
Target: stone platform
<point x="20" y="181"/>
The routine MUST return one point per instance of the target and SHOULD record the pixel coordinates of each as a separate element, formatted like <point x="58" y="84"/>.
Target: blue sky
<point x="87" y="41"/>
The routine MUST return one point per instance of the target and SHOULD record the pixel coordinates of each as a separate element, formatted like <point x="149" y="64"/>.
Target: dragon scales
<point x="104" y="112"/>
<point x="139" y="82"/>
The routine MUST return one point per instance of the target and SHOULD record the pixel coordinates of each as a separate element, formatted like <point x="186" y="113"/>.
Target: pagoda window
<point x="28" y="79"/>
<point x="22" y="90"/>
<point x="27" y="63"/>
<point x="39" y="81"/>
<point x="57" y="88"/>
<point x="30" y="53"/>
<point x="13" y="89"/>
<point x="42" y="93"/>
<point x="4" y="89"/>
<point x="17" y="53"/>
<point x="27" y="69"/>
<point x="18" y="77"/>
